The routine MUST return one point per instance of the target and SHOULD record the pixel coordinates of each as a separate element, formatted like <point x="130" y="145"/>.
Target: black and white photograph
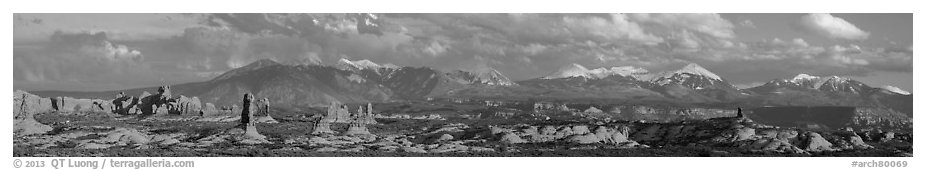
<point x="449" y="85"/>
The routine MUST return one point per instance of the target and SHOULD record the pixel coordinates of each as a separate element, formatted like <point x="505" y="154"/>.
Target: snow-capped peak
<point x="697" y="70"/>
<point x="494" y="77"/>
<point x="816" y="82"/>
<point x="623" y="71"/>
<point x="895" y="90"/>
<point x="571" y="70"/>
<point x="359" y="64"/>
<point x="803" y="76"/>
<point x="487" y="76"/>
<point x="390" y="65"/>
<point x="576" y="70"/>
<point x="692" y="75"/>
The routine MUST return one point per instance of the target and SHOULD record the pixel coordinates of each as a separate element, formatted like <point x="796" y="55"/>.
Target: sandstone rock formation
<point x="848" y="140"/>
<point x="445" y="137"/>
<point x="357" y="129"/>
<point x="322" y="127"/>
<point x="602" y="134"/>
<point x="153" y="104"/>
<point x="580" y="134"/>
<point x="186" y="106"/>
<point x="814" y="142"/>
<point x="338" y="113"/>
<point x="72" y="105"/>
<point x="126" y="136"/>
<point x="122" y="103"/>
<point x="511" y="138"/>
<point x="365" y="116"/>
<point x="209" y="110"/>
<point x="262" y="114"/>
<point x="887" y="136"/>
<point x="775" y="144"/>
<point x="245" y="132"/>
<point x="25" y="106"/>
<point x="247" y="110"/>
<point x="593" y="110"/>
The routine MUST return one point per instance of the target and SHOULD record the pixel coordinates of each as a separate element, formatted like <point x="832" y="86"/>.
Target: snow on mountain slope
<point x="697" y="70"/>
<point x="576" y="70"/>
<point x="487" y="76"/>
<point x="692" y="76"/>
<point x="571" y="70"/>
<point x="346" y="64"/>
<point x="691" y="69"/>
<point x="895" y="90"/>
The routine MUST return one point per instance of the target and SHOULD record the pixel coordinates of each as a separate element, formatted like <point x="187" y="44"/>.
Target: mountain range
<point x="365" y="81"/>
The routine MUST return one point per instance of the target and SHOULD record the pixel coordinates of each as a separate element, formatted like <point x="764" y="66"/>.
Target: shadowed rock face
<point x="829" y="117"/>
<point x="247" y="112"/>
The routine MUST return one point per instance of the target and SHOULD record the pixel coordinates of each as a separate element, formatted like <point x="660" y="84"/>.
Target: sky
<point x="95" y="52"/>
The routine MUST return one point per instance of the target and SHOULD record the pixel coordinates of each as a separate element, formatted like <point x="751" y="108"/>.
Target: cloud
<point x="710" y="24"/>
<point x="747" y="23"/>
<point x="800" y="42"/>
<point x="618" y="27"/>
<point x="218" y="49"/>
<point x="778" y="58"/>
<point x="521" y="46"/>
<point x="83" y="60"/>
<point x="92" y="46"/>
<point x="832" y="27"/>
